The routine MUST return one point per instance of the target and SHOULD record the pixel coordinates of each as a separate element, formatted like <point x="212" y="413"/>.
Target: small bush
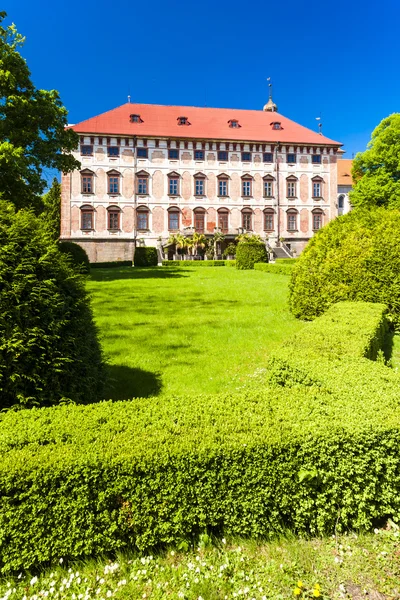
<point x="355" y="257"/>
<point x="274" y="268"/>
<point x="111" y="264"/>
<point x="230" y="250"/>
<point x="193" y="263"/>
<point x="77" y="254"/>
<point x="49" y="350"/>
<point x="145" y="257"/>
<point x="318" y="451"/>
<point x="250" y="252"/>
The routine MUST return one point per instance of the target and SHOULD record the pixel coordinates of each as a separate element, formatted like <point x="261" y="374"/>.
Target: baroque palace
<point x="150" y="171"/>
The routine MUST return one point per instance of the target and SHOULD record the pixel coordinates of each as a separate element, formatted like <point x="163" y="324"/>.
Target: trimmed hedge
<point x="250" y="252"/>
<point x="274" y="268"/>
<point x="77" y="255"/>
<point x="230" y="263"/>
<point x="111" y="264"/>
<point x="311" y="455"/>
<point x="355" y="257"/>
<point x="285" y="261"/>
<point x="145" y="257"/>
<point x="194" y="263"/>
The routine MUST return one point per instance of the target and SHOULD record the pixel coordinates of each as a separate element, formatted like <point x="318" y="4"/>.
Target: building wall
<point x="103" y="244"/>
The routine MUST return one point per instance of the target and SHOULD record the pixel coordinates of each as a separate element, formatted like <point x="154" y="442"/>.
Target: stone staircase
<point x="281" y="252"/>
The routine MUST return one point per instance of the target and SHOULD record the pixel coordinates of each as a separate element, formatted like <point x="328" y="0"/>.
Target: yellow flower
<point x="316" y="593"/>
<point x="297" y="591"/>
<point x="300" y="584"/>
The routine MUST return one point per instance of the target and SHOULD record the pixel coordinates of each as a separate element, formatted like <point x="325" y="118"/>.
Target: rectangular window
<point x="292" y="222"/>
<point x="246" y="156"/>
<point x="173" y="187"/>
<point x="113" y="219"/>
<point x="173" y="220"/>
<point x="113" y="151"/>
<point x="316" y="190"/>
<point x="317" y="221"/>
<point x="268" y="189"/>
<point x="199" y="187"/>
<point x="222" y="155"/>
<point x="222" y="187"/>
<point x="246" y="221"/>
<point x="86" y="150"/>
<point x="268" y="221"/>
<point x="87" y="184"/>
<point x="291" y="189"/>
<point x="142" y="152"/>
<point x="291" y="158"/>
<point x="142" y="220"/>
<point x="199" y="222"/>
<point x="199" y="155"/>
<point x="113" y="185"/>
<point x="142" y="185"/>
<point x="87" y="219"/>
<point x="223" y="222"/>
<point x="316" y="159"/>
<point x="173" y="154"/>
<point x="267" y="157"/>
<point x="246" y="188"/>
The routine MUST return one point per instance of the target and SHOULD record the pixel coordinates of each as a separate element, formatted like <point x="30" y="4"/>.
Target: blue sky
<point x="338" y="59"/>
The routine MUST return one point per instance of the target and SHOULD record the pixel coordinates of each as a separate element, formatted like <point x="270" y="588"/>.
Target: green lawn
<point x="187" y="330"/>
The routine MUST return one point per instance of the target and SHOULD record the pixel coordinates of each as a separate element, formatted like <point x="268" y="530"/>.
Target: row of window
<point x="174" y="154"/>
<point x="142" y="184"/>
<point x="142" y="219"/>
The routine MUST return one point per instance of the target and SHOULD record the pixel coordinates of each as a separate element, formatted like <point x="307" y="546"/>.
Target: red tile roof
<point x="205" y="123"/>
<point x="344" y="166"/>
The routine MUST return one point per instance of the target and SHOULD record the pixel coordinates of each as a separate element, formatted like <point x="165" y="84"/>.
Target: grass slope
<point x="183" y="330"/>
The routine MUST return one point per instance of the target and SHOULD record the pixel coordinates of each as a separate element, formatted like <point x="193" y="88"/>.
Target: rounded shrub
<point x="355" y="257"/>
<point x="145" y="257"/>
<point x="49" y="351"/>
<point x="249" y="252"/>
<point x="77" y="254"/>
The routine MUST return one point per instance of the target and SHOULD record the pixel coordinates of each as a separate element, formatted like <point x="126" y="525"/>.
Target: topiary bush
<point x="77" y="254"/>
<point x="145" y="256"/>
<point x="49" y="349"/>
<point x="318" y="452"/>
<point x="249" y="252"/>
<point x="355" y="257"/>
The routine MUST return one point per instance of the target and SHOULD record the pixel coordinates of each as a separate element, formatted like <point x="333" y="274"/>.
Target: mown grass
<point x="346" y="566"/>
<point x="187" y="330"/>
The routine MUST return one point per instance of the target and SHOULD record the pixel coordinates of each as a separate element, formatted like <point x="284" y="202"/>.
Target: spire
<point x="270" y="106"/>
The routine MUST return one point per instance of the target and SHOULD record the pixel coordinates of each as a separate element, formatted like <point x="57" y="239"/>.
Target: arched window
<point x="199" y="219"/>
<point x="173" y="218"/>
<point x="223" y="219"/>
<point x="142" y="183"/>
<point x="247" y="182"/>
<point x="223" y="187"/>
<point x="317" y="219"/>
<point x="317" y="187"/>
<point x="142" y="218"/>
<point x="268" y="186"/>
<point x="113" y="218"/>
<point x="291" y="186"/>
<point x="87" y="218"/>
<point x="269" y="219"/>
<point x="247" y="219"/>
<point x="341" y="204"/>
<point x="173" y="183"/>
<point x="199" y="184"/>
<point x="113" y="182"/>
<point x="292" y="216"/>
<point x="87" y="181"/>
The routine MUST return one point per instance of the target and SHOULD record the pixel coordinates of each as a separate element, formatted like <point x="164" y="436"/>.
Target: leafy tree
<point x="52" y="209"/>
<point x="377" y="170"/>
<point x="33" y="133"/>
<point x="49" y="349"/>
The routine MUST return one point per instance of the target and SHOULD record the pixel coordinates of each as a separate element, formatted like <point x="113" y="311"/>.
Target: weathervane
<point x="319" y="124"/>
<point x="270" y="87"/>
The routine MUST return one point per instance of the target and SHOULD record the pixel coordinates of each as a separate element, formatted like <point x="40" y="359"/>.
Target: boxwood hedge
<point x="250" y="252"/>
<point x="274" y="268"/>
<point x="145" y="257"/>
<point x="194" y="263"/>
<point x="311" y="455"/>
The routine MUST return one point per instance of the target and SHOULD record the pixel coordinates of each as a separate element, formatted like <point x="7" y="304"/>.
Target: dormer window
<point x="183" y="121"/>
<point x="276" y="125"/>
<point x="135" y="119"/>
<point x="234" y="123"/>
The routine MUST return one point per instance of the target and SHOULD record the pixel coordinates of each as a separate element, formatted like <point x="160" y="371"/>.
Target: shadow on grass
<point x="388" y="344"/>
<point x="138" y="273"/>
<point x="125" y="383"/>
